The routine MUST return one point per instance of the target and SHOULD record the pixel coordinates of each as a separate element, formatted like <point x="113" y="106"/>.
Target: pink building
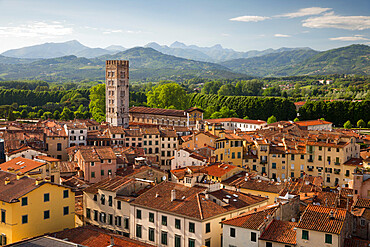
<point x="96" y="162"/>
<point x="361" y="184"/>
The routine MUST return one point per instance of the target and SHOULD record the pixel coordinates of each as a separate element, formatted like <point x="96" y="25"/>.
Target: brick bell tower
<point x="117" y="92"/>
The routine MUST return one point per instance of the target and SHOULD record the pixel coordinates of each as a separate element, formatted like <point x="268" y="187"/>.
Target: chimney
<point x="157" y="195"/>
<point x="7" y="180"/>
<point x="331" y="215"/>
<point x="173" y="195"/>
<point x="47" y="179"/>
<point x="19" y="175"/>
<point x="111" y="241"/>
<point x="38" y="180"/>
<point x="11" y="169"/>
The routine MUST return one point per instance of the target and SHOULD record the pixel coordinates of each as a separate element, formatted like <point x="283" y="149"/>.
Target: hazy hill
<point x="14" y="60"/>
<point x="52" y="50"/>
<point x="145" y="64"/>
<point x="352" y="59"/>
<point x="270" y="64"/>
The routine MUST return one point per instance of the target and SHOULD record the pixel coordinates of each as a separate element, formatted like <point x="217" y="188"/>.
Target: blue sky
<point x="241" y="25"/>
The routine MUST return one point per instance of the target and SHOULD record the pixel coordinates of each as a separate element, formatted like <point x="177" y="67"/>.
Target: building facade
<point x="117" y="92"/>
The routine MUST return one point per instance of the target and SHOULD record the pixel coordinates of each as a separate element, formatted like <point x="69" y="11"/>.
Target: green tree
<point x="271" y="119"/>
<point x="296" y="119"/>
<point x="97" y="102"/>
<point x="32" y="115"/>
<point x="347" y="125"/>
<point x="47" y="115"/>
<point x="56" y="114"/>
<point x="11" y="116"/>
<point x="167" y="95"/>
<point x="78" y="115"/>
<point x="224" y="112"/>
<point x="67" y="114"/>
<point x="226" y="90"/>
<point x="40" y="113"/>
<point x="361" y="124"/>
<point x="368" y="124"/>
<point x="24" y="114"/>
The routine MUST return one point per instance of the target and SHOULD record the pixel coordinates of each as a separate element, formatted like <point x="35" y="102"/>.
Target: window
<point x="191" y="227"/>
<point x="302" y="156"/>
<point x="3" y="216"/>
<point x="233" y="155"/>
<point x="304" y="234"/>
<point x="118" y="220"/>
<point x="65" y="194"/>
<point x="59" y="146"/>
<point x="232" y="232"/>
<point x="65" y="210"/>
<point x="164" y="220"/>
<point x="138" y="231"/>
<point x="138" y="213"/>
<point x="177" y="224"/>
<point x="208" y="242"/>
<point x="292" y="157"/>
<point x="177" y="241"/>
<point x="46" y="214"/>
<point x="46" y="197"/>
<point x="88" y="213"/>
<point x="151" y="217"/>
<point x="118" y="204"/>
<point x="273" y="166"/>
<point x="110" y="219"/>
<point x="93" y="174"/>
<point x="292" y="174"/>
<point x="164" y="238"/>
<point x="96" y="213"/>
<point x="253" y="237"/>
<point x="102" y="172"/>
<point x="328" y="239"/>
<point x="151" y="234"/>
<point x="103" y="217"/>
<point x="102" y="199"/>
<point x="95" y="197"/>
<point x="24" y="201"/>
<point x="110" y="201"/>
<point x="239" y="155"/>
<point x="24" y="219"/>
<point x="320" y="158"/>
<point x="268" y="244"/>
<point x="208" y="227"/>
<point x="191" y="242"/>
<point x="126" y="223"/>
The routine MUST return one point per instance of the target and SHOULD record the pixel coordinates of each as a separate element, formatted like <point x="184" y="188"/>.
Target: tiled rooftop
<point x="281" y="232"/>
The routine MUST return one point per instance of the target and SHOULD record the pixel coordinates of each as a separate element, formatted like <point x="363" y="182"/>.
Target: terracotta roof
<point x="133" y="133"/>
<point x="109" y="184"/>
<point x="300" y="103"/>
<point x="318" y="218"/>
<point x="280" y="231"/>
<point x="236" y="199"/>
<point x="239" y="181"/>
<point x="75" y="125"/>
<point x="92" y="236"/>
<point x="190" y="201"/>
<point x="150" y="131"/>
<point x="47" y="158"/>
<point x="15" y="189"/>
<point x="355" y="242"/>
<point x="251" y="220"/>
<point x="97" y="153"/>
<point x="116" y="129"/>
<point x="354" y="162"/>
<point x="21" y="164"/>
<point x="236" y="120"/>
<point x="131" y="171"/>
<point x="168" y="133"/>
<point x="362" y="203"/>
<point x="218" y="169"/>
<point x="157" y="111"/>
<point x="312" y="122"/>
<point x="194" y="109"/>
<point x="25" y="148"/>
<point x="67" y="166"/>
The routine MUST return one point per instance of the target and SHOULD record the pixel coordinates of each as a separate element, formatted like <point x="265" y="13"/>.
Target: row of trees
<point x="337" y="112"/>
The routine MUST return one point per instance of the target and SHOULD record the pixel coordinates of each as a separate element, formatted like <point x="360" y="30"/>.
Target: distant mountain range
<point x="153" y="62"/>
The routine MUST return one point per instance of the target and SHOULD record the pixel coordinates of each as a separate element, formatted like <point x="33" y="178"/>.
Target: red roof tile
<point x="157" y="111"/>
<point x="280" y="231"/>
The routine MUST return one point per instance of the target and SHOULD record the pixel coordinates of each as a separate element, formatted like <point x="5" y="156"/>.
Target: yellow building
<point x="32" y="207"/>
<point x="219" y="172"/>
<point x="229" y="149"/>
<point x="199" y="140"/>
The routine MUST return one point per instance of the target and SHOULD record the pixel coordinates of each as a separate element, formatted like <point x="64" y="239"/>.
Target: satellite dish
<point x="164" y="178"/>
<point x="293" y="219"/>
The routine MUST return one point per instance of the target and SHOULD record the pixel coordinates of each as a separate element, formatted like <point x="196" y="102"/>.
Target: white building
<point x="77" y="133"/>
<point x="185" y="157"/>
<point x="237" y="123"/>
<point x="315" y="125"/>
<point x="25" y="152"/>
<point x="171" y="214"/>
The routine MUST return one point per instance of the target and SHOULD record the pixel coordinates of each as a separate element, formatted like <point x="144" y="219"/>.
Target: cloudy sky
<point x="241" y="25"/>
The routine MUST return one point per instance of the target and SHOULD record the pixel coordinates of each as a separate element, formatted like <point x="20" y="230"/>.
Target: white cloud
<point x="305" y="12"/>
<point x="330" y="20"/>
<point x="350" y="38"/>
<point x="36" y="29"/>
<point x="279" y="35"/>
<point x="250" y="18"/>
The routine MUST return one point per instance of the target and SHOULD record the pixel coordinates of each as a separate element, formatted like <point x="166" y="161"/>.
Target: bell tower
<point x="117" y="92"/>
